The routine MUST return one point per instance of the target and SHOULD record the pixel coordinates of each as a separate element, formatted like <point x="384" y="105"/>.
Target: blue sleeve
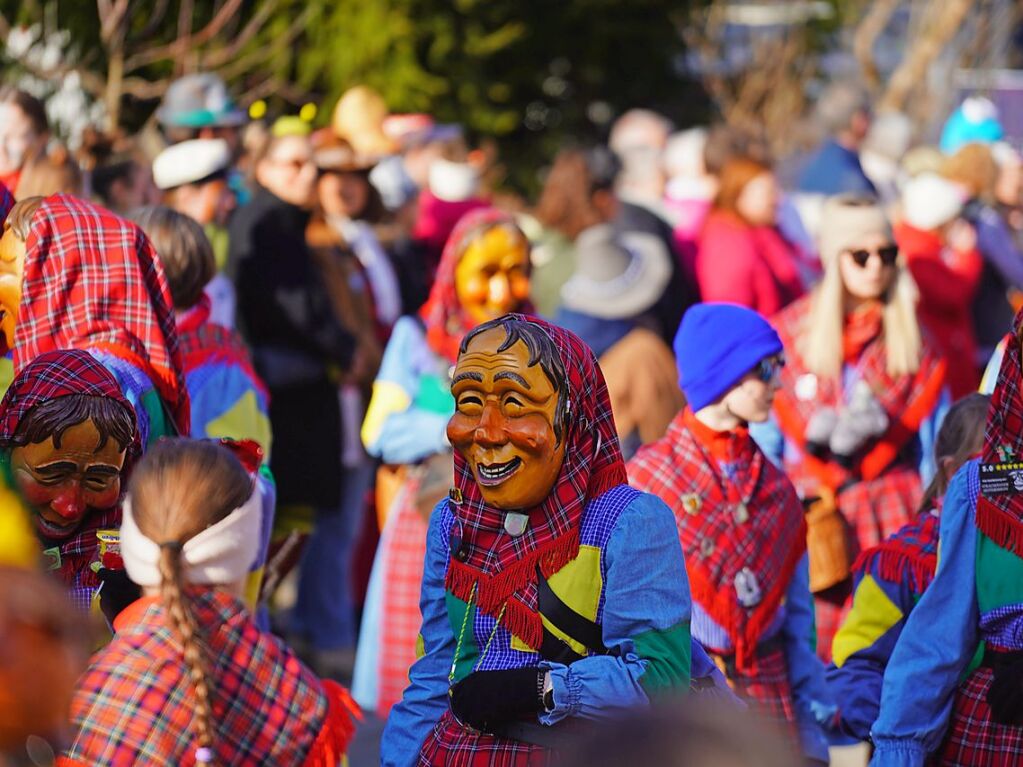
<point x="769" y="439"/>
<point x="937" y="644"/>
<point x="396" y="428"/>
<point x="806" y="671"/>
<point x="645" y="621"/>
<point x="995" y="242"/>
<point x="863" y="647"/>
<point x="928" y="433"/>
<point x="425" y="699"/>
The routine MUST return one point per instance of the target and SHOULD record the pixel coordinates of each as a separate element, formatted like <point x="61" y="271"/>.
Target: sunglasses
<point x="887" y="253"/>
<point x="769" y="368"/>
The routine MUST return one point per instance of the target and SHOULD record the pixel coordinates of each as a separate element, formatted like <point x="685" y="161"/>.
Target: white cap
<point x="453" y="181"/>
<point x="190" y="161"/>
<point x="930" y="201"/>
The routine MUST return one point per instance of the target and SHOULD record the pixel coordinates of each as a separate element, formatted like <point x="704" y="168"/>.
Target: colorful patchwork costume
<point x="596" y="550"/>
<point x="934" y="700"/>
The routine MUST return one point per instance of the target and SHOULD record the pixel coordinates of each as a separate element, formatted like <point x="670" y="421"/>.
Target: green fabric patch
<point x="434" y="395"/>
<point x="159" y="424"/>
<point x="462" y="618"/>
<point x="999" y="576"/>
<point x="668" y="656"/>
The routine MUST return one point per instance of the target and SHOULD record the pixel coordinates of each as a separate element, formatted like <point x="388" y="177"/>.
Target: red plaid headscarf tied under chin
<point x="50" y="376"/>
<point x="445" y="320"/>
<point x="1000" y="517"/>
<point x="503" y="568"/>
<point x="92" y="281"/>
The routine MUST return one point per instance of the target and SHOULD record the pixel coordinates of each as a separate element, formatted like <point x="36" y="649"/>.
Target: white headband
<point x="221" y="554"/>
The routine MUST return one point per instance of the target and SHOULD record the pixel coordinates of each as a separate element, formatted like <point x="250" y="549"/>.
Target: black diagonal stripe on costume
<point x="568" y="621"/>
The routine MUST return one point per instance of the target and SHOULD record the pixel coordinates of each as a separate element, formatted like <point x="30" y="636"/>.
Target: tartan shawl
<point x="134" y="704"/>
<point x="1000" y="517"/>
<point x="907" y="400"/>
<point x="502" y="568"/>
<point x="445" y="321"/>
<point x="50" y="376"/>
<point x="909" y="556"/>
<point x="92" y="280"/>
<point x="770" y="542"/>
<point x="202" y="342"/>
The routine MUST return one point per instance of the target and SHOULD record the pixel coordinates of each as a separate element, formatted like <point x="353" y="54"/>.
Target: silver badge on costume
<point x="515" y="523"/>
<point x="747" y="588"/>
<point x="806" y="387"/>
<point x="691" y="502"/>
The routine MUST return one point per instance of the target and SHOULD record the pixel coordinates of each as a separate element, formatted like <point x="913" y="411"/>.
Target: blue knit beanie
<point x="716" y="345"/>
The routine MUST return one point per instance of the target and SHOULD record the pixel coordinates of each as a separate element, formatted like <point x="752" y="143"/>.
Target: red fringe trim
<point x="892" y="564"/>
<point x="718" y="600"/>
<point x="1000" y="526"/>
<point x="494" y="591"/>
<point x="338" y="729"/>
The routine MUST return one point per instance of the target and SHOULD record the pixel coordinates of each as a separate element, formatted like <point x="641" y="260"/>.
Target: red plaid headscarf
<point x="502" y="567"/>
<point x="442" y="314"/>
<point x="1000" y="517"/>
<point x="50" y="376"/>
<point x="92" y="280"/>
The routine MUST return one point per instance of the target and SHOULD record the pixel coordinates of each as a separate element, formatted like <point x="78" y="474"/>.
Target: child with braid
<point x="189" y="678"/>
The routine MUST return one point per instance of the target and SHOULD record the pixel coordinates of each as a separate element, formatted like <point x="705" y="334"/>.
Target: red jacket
<point x="751" y="266"/>
<point x="947" y="280"/>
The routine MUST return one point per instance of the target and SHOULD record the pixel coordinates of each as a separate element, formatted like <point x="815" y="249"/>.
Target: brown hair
<point x="960" y="437"/>
<point x="566" y="203"/>
<point x="33" y="108"/>
<point x="51" y="418"/>
<point x="974" y="167"/>
<point x="184" y="250"/>
<point x="49" y="173"/>
<point x="20" y="218"/>
<point x="738" y="172"/>
<point x="109" y="158"/>
<point x="180" y="488"/>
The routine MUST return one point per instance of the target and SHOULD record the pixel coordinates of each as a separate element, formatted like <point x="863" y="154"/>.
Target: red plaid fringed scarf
<point x="769" y="542"/>
<point x="442" y="314"/>
<point x="50" y="376"/>
<point x="1000" y="517"/>
<point x="202" y="341"/>
<point x="907" y="400"/>
<point x="910" y="556"/>
<point x="92" y="280"/>
<point x="134" y="704"/>
<point x="502" y="567"/>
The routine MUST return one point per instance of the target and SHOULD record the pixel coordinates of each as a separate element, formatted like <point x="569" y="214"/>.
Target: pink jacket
<point x="742" y="264"/>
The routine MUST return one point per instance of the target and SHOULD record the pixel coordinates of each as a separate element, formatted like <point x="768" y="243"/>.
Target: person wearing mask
<point x="862" y="393"/>
<point x="890" y="579"/>
<point x="193" y="177"/>
<point x="740" y="521"/>
<point x="638" y="139"/>
<point x="962" y="637"/>
<point x="300" y="350"/>
<point x="742" y="257"/>
<point x="940" y="250"/>
<point x="24" y="133"/>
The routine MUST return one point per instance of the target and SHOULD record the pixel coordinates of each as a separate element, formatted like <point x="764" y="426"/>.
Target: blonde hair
<point x="179" y="489"/>
<point x="820" y="344"/>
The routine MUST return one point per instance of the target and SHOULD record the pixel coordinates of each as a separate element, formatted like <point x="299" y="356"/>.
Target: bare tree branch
<point x="156" y="15"/>
<point x="227" y="53"/>
<point x="867" y="32"/>
<point x="251" y="61"/>
<point x="183" y="45"/>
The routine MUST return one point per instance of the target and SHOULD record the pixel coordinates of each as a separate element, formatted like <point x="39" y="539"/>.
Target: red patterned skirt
<point x="454" y="745"/>
<point x="766" y="687"/>
<point x="974" y="740"/>
<point x="875" y="510"/>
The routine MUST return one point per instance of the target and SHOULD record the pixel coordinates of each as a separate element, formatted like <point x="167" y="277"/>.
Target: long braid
<point x="183" y="622"/>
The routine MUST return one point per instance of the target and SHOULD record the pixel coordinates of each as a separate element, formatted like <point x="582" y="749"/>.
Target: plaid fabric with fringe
<point x="765" y="686"/>
<point x="769" y="543"/>
<point x="504" y="567"/>
<point x="910" y="556"/>
<point x="135" y="703"/>
<point x="907" y="400"/>
<point x="50" y="376"/>
<point x="92" y="280"/>
<point x="973" y="739"/>
<point x="1000" y="517"/>
<point x="454" y="745"/>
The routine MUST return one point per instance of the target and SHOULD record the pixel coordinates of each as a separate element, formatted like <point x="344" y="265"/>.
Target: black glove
<point x="118" y="592"/>
<point x="1005" y="695"/>
<point x="487" y="699"/>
